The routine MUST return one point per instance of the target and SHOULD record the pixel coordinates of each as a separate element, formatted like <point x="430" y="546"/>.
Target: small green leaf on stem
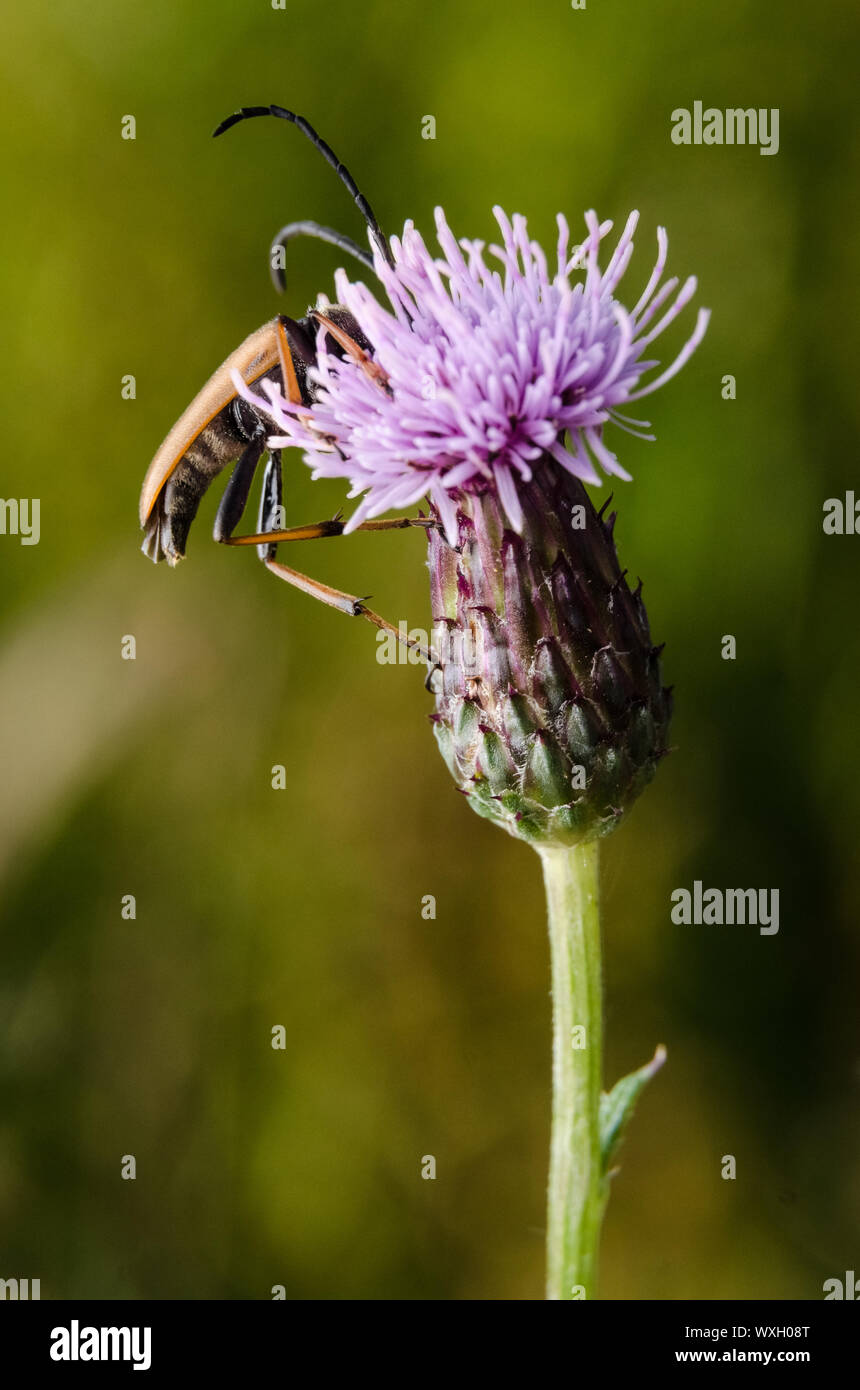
<point x="618" y="1105"/>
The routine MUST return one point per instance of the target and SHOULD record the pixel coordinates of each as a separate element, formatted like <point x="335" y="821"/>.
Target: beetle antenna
<point x="314" y="229"/>
<point x="247" y="112"/>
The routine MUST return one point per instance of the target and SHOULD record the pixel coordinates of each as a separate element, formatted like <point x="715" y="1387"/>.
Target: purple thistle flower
<point x="478" y="372"/>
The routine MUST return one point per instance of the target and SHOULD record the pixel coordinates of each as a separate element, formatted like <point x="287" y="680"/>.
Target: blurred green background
<point x="408" y="1037"/>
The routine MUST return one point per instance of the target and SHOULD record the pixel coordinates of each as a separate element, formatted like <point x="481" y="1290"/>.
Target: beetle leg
<point x="353" y="350"/>
<point x="235" y="497"/>
<point x="317" y="530"/>
<point x="271" y="499"/>
<point x="345" y="603"/>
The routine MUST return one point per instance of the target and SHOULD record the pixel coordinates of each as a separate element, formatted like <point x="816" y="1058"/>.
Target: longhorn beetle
<point x="219" y="427"/>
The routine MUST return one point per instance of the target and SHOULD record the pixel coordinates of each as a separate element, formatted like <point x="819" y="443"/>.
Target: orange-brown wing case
<point x="258" y="354"/>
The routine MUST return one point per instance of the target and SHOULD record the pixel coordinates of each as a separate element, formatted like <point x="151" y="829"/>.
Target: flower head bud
<point x="550" y="712"/>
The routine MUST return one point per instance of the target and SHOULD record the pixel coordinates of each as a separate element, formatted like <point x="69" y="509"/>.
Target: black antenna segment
<point x="246" y="113"/>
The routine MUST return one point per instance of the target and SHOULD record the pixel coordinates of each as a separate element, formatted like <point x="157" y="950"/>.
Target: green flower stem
<point x="577" y="1185"/>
